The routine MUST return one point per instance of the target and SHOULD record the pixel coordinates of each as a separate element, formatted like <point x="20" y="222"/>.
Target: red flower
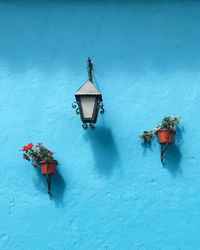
<point x="30" y="145"/>
<point x="25" y="148"/>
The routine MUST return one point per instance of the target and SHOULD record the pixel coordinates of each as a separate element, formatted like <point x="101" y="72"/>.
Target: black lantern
<point x="88" y="101"/>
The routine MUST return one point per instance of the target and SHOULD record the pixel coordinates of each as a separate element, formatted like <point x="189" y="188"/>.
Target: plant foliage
<point x="37" y="154"/>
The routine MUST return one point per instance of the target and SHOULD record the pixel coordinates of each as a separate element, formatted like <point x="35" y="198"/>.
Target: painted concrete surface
<point x="109" y="191"/>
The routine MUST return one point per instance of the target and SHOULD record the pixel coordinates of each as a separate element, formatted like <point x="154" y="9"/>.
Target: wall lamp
<point x="88" y="101"/>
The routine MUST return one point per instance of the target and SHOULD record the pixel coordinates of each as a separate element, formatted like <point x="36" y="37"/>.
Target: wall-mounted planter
<point x="49" y="167"/>
<point x="40" y="155"/>
<point x="163" y="135"/>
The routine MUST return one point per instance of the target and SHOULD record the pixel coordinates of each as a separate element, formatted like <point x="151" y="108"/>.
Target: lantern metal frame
<point x="88" y="90"/>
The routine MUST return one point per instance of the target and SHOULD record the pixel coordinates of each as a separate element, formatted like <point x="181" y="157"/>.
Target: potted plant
<point x="165" y="132"/>
<point x="147" y="136"/>
<point x="167" y="129"/>
<point x="40" y="155"/>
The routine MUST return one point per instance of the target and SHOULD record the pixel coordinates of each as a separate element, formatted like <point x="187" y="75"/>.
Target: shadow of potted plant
<point x="42" y="156"/>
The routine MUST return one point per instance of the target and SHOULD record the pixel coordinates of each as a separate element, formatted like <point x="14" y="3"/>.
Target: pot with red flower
<point x="42" y="156"/>
<point x="50" y="165"/>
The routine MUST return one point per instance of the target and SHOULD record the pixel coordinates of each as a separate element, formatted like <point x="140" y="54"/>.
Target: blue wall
<point x="109" y="191"/>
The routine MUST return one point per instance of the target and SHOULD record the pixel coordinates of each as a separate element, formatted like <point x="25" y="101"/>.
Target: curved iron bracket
<point x="84" y="126"/>
<point x="48" y="177"/>
<point x="91" y="125"/>
<point x="90" y="69"/>
<point x="75" y="105"/>
<point x="166" y="146"/>
<point x="100" y="107"/>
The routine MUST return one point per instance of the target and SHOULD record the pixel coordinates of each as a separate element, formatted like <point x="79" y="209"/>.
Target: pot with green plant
<point x="42" y="156"/>
<point x="165" y="133"/>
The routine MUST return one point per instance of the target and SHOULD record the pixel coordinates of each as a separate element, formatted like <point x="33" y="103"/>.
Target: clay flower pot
<point x="51" y="167"/>
<point x="162" y="135"/>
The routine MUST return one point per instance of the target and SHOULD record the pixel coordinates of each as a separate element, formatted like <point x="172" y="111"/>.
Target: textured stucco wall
<point x="109" y="191"/>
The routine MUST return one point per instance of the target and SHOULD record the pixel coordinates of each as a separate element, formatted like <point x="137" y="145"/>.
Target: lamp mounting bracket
<point x="90" y="69"/>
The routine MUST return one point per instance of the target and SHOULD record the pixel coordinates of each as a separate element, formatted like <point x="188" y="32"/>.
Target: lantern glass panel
<point x="88" y="104"/>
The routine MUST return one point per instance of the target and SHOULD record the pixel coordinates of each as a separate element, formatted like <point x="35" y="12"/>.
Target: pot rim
<point x="164" y="129"/>
<point x="50" y="161"/>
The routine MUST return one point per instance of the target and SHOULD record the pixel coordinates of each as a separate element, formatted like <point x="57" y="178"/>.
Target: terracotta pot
<point x="51" y="167"/>
<point x="162" y="135"/>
